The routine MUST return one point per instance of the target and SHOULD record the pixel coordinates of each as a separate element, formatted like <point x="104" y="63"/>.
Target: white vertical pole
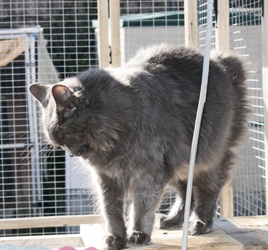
<point x="202" y="100"/>
<point x="35" y="120"/>
<point x="264" y="24"/>
<point x="31" y="122"/>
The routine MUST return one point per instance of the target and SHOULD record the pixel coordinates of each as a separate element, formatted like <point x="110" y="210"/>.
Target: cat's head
<point x="83" y="119"/>
<point x="58" y="103"/>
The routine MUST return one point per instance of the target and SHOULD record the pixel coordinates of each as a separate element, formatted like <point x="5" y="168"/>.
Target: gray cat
<point x="134" y="124"/>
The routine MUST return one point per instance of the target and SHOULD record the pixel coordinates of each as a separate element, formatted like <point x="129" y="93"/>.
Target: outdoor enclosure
<point x="48" y="41"/>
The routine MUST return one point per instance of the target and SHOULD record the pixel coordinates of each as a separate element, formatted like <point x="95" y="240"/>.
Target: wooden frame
<point x="223" y="43"/>
<point x="235" y="234"/>
<point x="222" y="30"/>
<point x="50" y="221"/>
<point x="103" y="36"/>
<point x="190" y="23"/>
<point x="115" y="33"/>
<point x="109" y="47"/>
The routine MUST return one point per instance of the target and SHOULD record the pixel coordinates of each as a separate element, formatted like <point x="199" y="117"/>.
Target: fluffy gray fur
<point x="134" y="125"/>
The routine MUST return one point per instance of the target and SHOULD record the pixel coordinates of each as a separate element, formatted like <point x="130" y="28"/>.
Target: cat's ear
<point x="64" y="98"/>
<point x="39" y="91"/>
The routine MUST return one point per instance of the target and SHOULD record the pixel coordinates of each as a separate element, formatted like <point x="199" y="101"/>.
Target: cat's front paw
<point x="139" y="238"/>
<point x="112" y="242"/>
<point x="197" y="227"/>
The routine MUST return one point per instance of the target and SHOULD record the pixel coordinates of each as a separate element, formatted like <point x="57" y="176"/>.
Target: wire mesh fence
<point x="50" y="40"/>
<point x="245" y="39"/>
<point x="38" y="36"/>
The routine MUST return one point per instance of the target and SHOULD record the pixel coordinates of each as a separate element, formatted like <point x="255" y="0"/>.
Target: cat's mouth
<point x="82" y="151"/>
<point x="67" y="151"/>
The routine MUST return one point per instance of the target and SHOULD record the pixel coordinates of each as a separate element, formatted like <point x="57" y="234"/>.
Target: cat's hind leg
<point x="203" y="206"/>
<point x="174" y="219"/>
<point x="206" y="190"/>
<point x="201" y="219"/>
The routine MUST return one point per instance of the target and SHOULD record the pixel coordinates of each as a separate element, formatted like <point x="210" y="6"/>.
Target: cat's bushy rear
<point x="134" y="125"/>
